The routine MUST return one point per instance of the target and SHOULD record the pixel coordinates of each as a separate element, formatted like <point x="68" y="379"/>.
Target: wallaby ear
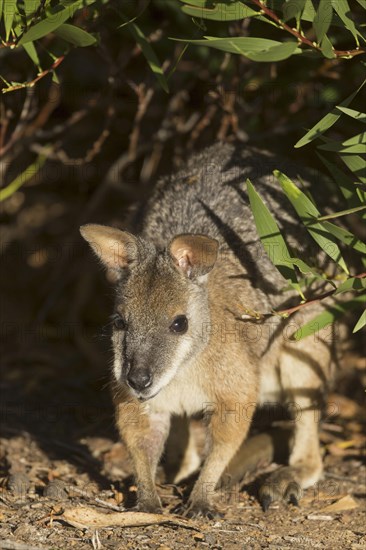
<point x="195" y="255"/>
<point x="117" y="249"/>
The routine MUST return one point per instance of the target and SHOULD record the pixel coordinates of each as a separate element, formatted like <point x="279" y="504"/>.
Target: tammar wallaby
<point x="186" y="336"/>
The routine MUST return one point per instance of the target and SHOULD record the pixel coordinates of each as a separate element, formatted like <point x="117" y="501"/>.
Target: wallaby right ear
<point x="117" y="249"/>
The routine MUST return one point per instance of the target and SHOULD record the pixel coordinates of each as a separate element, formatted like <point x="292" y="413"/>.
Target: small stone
<point x="18" y="484"/>
<point x="56" y="489"/>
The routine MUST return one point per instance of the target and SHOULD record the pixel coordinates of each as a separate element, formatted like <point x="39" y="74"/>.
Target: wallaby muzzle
<point x="138" y="378"/>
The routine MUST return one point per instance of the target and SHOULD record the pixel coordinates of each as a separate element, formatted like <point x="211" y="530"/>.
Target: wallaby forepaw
<point x="280" y="485"/>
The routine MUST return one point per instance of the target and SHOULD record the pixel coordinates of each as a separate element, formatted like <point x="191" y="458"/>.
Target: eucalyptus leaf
<point x="341" y="7"/>
<point x="256" y="49"/>
<point x="361" y="322"/>
<point x="327" y="121"/>
<point x="357" y="115"/>
<point x="9" y="10"/>
<point x="327" y="317"/>
<point x="345" y="236"/>
<point x="32" y="53"/>
<point x="353" y="283"/>
<point x="270" y="235"/>
<point x="345" y="183"/>
<point x="293" y="9"/>
<point x="337" y="147"/>
<point x="309" y="213"/>
<point x="218" y="11"/>
<point x="323" y="19"/>
<point x="356" y="164"/>
<point x="74" y="35"/>
<point x="56" y="16"/>
<point x="149" y="54"/>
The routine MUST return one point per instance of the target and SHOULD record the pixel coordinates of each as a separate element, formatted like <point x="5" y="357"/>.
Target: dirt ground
<point x="60" y="455"/>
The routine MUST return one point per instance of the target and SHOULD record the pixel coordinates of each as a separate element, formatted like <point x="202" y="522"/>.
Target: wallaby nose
<point x="139" y="380"/>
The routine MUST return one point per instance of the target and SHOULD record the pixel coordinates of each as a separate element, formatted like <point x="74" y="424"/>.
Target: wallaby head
<point x="161" y="303"/>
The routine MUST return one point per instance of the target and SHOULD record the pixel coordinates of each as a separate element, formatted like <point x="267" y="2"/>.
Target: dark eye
<point x="119" y="322"/>
<point x="179" y="324"/>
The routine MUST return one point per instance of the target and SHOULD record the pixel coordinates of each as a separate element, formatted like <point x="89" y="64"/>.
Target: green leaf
<point x="309" y="12"/>
<point x="32" y="53"/>
<point x="56" y="16"/>
<point x="20" y="180"/>
<point x="327" y="121"/>
<point x="353" y="283"/>
<point x="344" y="182"/>
<point x="75" y="35"/>
<point x="256" y="49"/>
<point x="341" y="7"/>
<point x="342" y="213"/>
<point x="327" y="48"/>
<point x="357" y="115"/>
<point x="360" y="138"/>
<point x="323" y="19"/>
<point x="345" y="236"/>
<point x="30" y="7"/>
<point x="326" y="318"/>
<point x="235" y="45"/>
<point x="276" y="53"/>
<point x="360" y="323"/>
<point x="308" y="213"/>
<point x="9" y="10"/>
<point x="337" y="147"/>
<point x="293" y="9"/>
<point x="270" y="236"/>
<point x="218" y="11"/>
<point x="356" y="164"/>
<point x="362" y="3"/>
<point x="149" y="54"/>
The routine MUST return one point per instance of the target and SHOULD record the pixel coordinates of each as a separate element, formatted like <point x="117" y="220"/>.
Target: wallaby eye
<point x="119" y="322"/>
<point x="179" y="324"/>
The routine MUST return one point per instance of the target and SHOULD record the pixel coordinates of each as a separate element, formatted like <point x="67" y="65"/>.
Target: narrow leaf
<point x="9" y="10"/>
<point x="357" y="115"/>
<point x="56" y="16"/>
<point x="342" y="213"/>
<point x="270" y="235"/>
<point x="326" y="318"/>
<point x="345" y="236"/>
<point x="293" y="9"/>
<point x="308" y="213"/>
<point x="353" y="283"/>
<point x="341" y="7"/>
<point x="345" y="183"/>
<point x="357" y="165"/>
<point x="20" y="180"/>
<point x="323" y="19"/>
<point x="219" y="11"/>
<point x="149" y="54"/>
<point x="32" y="53"/>
<point x="360" y="323"/>
<point x="327" y="121"/>
<point x="75" y="35"/>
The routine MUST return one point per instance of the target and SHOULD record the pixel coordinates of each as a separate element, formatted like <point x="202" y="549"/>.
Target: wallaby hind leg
<point x="144" y="436"/>
<point x="181" y="458"/>
<point x="302" y="381"/>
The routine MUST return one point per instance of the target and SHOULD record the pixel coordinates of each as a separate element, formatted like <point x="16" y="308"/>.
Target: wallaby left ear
<point x="195" y="255"/>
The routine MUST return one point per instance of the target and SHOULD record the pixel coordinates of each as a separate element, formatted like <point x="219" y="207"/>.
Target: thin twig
<point x="300" y="36"/>
<point x="40" y="75"/>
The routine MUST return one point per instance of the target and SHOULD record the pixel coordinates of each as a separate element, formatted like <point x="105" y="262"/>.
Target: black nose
<point x="139" y="380"/>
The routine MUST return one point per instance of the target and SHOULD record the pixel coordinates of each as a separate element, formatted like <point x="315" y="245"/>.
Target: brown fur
<point x="224" y="365"/>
